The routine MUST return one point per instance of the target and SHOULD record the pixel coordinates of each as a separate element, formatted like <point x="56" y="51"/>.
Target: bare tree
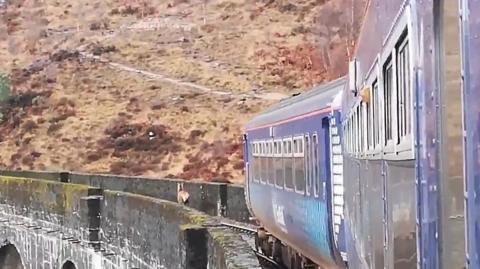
<point x="336" y="29"/>
<point x="324" y="28"/>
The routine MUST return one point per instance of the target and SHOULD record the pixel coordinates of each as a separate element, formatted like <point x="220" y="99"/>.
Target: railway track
<point x="248" y="233"/>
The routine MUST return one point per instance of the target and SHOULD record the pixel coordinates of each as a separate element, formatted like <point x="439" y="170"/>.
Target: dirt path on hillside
<point x="271" y="96"/>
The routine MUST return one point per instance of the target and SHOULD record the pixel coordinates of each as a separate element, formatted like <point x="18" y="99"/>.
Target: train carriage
<point x="294" y="183"/>
<point x="470" y="26"/>
<point x="403" y="140"/>
<point x="410" y="180"/>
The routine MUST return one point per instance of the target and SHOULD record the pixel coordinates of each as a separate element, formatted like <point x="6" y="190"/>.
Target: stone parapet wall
<point x="50" y="223"/>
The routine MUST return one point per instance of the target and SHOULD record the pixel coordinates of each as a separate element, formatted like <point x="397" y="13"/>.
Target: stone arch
<point x="10" y="257"/>
<point x="69" y="265"/>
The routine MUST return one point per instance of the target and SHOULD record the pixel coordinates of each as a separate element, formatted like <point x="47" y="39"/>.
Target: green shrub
<point x="4" y="87"/>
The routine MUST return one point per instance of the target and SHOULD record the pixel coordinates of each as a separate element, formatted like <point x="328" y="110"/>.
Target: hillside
<point x="158" y="88"/>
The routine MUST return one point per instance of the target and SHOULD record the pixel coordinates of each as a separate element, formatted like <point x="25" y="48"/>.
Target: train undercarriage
<point x="282" y="254"/>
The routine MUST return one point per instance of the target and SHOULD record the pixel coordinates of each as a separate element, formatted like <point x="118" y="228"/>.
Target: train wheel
<point x="260" y="239"/>
<point x="277" y="250"/>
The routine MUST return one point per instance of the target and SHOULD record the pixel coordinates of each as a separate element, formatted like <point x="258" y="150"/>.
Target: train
<point x="288" y="152"/>
<point x="380" y="168"/>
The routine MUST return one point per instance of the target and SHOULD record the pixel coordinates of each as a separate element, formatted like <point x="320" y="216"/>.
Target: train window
<point x="278" y="164"/>
<point x="271" y="169"/>
<point x="256" y="163"/>
<point x="263" y="162"/>
<point x="354" y="134"/>
<point x="315" y="164"/>
<point x="368" y="108"/>
<point x="355" y="131"/>
<point x="361" y="128"/>
<point x="350" y="136"/>
<point x="403" y="89"/>
<point x="299" y="164"/>
<point x="349" y="125"/>
<point x="375" y="114"/>
<point x="346" y="135"/>
<point x="251" y="165"/>
<point x="350" y="144"/>
<point x="387" y="99"/>
<point x="288" y="163"/>
<point x="351" y="133"/>
<point x="259" y="161"/>
<point x="308" y="165"/>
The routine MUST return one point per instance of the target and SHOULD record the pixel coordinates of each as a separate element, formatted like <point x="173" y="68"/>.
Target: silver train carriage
<point x="403" y="152"/>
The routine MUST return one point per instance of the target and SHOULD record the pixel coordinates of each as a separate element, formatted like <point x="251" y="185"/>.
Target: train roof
<point x="318" y="98"/>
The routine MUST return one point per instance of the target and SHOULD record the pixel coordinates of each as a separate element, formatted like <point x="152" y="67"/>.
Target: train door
<point x="246" y="159"/>
<point x="336" y="184"/>
<point x="470" y="26"/>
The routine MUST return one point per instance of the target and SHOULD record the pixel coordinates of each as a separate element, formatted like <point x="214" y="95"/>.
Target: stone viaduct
<point x="66" y="221"/>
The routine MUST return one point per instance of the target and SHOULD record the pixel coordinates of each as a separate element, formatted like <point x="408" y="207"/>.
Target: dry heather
<point x="158" y="88"/>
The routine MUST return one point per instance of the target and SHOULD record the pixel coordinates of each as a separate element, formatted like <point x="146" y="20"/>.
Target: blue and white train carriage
<point x="294" y="178"/>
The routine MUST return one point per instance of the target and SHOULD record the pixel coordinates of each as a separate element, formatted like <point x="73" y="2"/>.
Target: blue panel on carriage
<point x="316" y="225"/>
<point x="471" y="92"/>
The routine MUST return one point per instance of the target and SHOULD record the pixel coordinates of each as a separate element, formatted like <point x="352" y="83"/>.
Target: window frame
<point x="298" y="152"/>
<point x="257" y="163"/>
<point x="361" y="130"/>
<point x="405" y="149"/>
<point x="279" y="157"/>
<point x="374" y="77"/>
<point x="389" y="144"/>
<point x="364" y="129"/>
<point x="377" y="122"/>
<point x="404" y="143"/>
<point x="252" y="162"/>
<point x="263" y="161"/>
<point x="288" y="153"/>
<point x="308" y="165"/>
<point x="316" y="165"/>
<point x="350" y="133"/>
<point x="270" y="162"/>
